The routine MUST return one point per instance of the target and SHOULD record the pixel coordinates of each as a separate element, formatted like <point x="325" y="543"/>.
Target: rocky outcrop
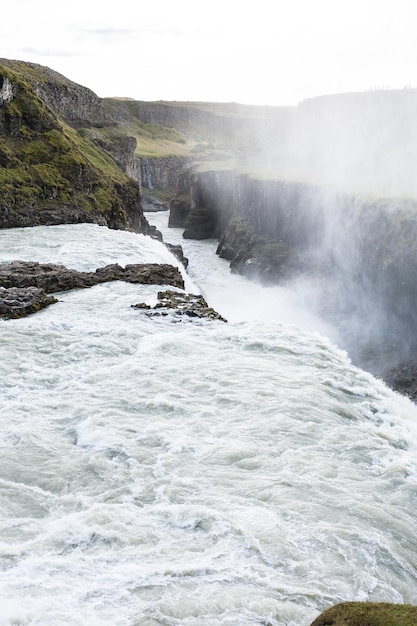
<point x="368" y="614"/>
<point x="121" y="148"/>
<point x="7" y="91"/>
<point x="16" y="302"/>
<point x="180" y="305"/>
<point x="203" y="203"/>
<point x="356" y="255"/>
<point x="78" y="106"/>
<point x="233" y="125"/>
<point x="178" y="253"/>
<point x="51" y="173"/>
<point x="180" y="204"/>
<point x="161" y="173"/>
<point x="153" y="205"/>
<point x="54" y="278"/>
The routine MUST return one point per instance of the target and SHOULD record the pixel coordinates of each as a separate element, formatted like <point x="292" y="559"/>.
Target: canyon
<point x="319" y="197"/>
<point x="323" y="193"/>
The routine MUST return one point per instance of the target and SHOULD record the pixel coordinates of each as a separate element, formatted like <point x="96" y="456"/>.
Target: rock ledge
<point x="180" y="304"/>
<point x="24" y="285"/>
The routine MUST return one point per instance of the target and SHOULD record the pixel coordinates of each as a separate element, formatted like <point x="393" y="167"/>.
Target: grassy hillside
<point x="196" y="130"/>
<point x="153" y="140"/>
<point x="45" y="164"/>
<point x="368" y="614"/>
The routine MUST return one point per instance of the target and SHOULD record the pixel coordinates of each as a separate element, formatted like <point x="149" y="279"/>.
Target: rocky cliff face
<point x="161" y="173"/>
<point x="54" y="167"/>
<point x="76" y="105"/>
<point x="355" y="256"/>
<point x="227" y="123"/>
<point x="173" y="134"/>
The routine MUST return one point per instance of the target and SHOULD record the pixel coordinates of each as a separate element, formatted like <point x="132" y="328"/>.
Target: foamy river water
<point x="192" y="473"/>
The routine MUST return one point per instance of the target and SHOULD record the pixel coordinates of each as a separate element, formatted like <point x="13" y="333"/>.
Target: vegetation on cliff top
<point x="46" y="164"/>
<point x="189" y="138"/>
<point x="153" y="140"/>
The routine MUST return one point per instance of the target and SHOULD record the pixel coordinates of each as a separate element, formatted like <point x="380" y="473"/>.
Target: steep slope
<point x="51" y="171"/>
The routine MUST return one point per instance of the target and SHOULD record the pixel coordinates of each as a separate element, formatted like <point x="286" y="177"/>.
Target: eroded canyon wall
<point x="355" y="256"/>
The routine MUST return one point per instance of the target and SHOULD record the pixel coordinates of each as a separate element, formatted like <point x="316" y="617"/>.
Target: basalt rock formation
<point x="161" y="172"/>
<point x="355" y="255"/>
<point x="54" y="278"/>
<point x="325" y="197"/>
<point x="24" y="286"/>
<point x="18" y="302"/>
<point x="180" y="305"/>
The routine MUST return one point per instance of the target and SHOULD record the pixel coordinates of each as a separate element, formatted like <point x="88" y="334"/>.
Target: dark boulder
<point x="24" y="285"/>
<point x="178" y="252"/>
<point x="180" y="305"/>
<point x="54" y="278"/>
<point x="18" y="302"/>
<point x="152" y="205"/>
<point x="153" y="274"/>
<point x="179" y="210"/>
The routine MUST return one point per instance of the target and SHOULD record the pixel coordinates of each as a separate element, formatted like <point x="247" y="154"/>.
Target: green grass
<point x="159" y="141"/>
<point x="44" y="161"/>
<point x="368" y="614"/>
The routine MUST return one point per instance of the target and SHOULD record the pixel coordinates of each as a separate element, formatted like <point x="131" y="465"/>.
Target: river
<point x="194" y="472"/>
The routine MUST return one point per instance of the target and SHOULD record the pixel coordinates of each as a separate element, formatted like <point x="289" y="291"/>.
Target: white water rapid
<point x="192" y="473"/>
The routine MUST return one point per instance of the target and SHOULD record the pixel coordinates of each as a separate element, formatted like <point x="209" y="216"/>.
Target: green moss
<point x="153" y="140"/>
<point x="47" y="176"/>
<point x="36" y="152"/>
<point x="160" y="194"/>
<point x="45" y="162"/>
<point x="368" y="614"/>
<point x="102" y="199"/>
<point x="85" y="141"/>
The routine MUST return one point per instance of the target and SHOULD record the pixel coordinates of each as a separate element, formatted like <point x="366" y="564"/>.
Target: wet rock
<point x="152" y="205"/>
<point x="154" y="233"/>
<point x="403" y="378"/>
<point x="178" y="213"/>
<point x="368" y="614"/>
<point x="201" y="223"/>
<point x="47" y="276"/>
<point x="181" y="304"/>
<point x="178" y="252"/>
<point x="153" y="274"/>
<point x="44" y="278"/>
<point x="18" y="302"/>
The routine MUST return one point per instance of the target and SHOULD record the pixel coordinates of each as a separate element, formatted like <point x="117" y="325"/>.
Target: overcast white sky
<point x="257" y="52"/>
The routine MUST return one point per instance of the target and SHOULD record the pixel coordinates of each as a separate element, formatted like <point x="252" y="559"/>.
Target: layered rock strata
<point x="356" y="256"/>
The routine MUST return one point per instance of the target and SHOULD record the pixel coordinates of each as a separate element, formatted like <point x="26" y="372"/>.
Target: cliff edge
<point x="51" y="170"/>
